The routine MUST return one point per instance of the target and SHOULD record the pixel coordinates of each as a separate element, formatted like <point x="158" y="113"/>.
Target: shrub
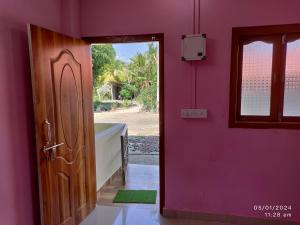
<point x="115" y="105"/>
<point x="128" y="91"/>
<point x="127" y="103"/>
<point x="148" y="98"/>
<point x="96" y="104"/>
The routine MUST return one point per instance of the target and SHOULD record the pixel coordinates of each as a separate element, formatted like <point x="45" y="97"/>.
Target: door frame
<point x="158" y="37"/>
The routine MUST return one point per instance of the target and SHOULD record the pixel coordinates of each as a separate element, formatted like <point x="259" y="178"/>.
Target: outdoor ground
<point x="143" y="132"/>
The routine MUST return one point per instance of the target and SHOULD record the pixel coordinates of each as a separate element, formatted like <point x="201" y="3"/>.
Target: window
<point x="265" y="77"/>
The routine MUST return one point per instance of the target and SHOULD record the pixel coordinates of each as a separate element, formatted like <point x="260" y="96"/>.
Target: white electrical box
<point x="193" y="47"/>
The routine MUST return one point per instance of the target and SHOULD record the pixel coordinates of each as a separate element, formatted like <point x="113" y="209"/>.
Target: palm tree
<point x="113" y="74"/>
<point x="102" y="55"/>
<point x="142" y="69"/>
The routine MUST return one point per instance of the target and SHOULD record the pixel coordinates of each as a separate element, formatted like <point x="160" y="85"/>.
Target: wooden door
<point x="62" y="95"/>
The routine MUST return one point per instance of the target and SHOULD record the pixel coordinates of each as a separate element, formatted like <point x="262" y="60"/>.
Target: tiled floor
<point x="139" y="177"/>
<point x="145" y="177"/>
<point x="134" y="215"/>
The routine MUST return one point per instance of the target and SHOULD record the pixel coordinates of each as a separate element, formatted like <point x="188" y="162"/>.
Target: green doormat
<point x="136" y="196"/>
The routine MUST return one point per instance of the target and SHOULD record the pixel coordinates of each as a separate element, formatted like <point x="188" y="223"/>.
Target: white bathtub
<point x="108" y="150"/>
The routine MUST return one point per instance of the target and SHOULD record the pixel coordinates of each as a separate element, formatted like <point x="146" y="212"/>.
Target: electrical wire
<point x="196" y="13"/>
<point x="194" y="17"/>
<point x="199" y="10"/>
<point x="196" y="71"/>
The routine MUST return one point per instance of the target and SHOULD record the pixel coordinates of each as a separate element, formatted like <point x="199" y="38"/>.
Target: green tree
<point x="106" y="68"/>
<point x="148" y="98"/>
<point x="113" y="73"/>
<point x="137" y="79"/>
<point x="102" y="55"/>
<point x="152" y="62"/>
<point x="128" y="91"/>
<point x="142" y="70"/>
<point x="136" y="70"/>
<point x="142" y="73"/>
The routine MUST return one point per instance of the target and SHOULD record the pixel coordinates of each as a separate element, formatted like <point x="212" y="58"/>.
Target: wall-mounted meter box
<point x="193" y="47"/>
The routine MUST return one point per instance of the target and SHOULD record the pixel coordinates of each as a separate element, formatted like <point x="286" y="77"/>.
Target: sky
<point x="128" y="50"/>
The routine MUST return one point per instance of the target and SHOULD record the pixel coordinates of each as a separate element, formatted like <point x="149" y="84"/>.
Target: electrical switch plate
<point x="194" y="113"/>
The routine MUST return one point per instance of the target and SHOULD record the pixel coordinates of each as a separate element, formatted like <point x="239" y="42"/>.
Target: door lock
<point x="51" y="151"/>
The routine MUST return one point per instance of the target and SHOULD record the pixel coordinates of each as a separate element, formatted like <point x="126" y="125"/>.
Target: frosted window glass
<point x="292" y="80"/>
<point x="256" y="79"/>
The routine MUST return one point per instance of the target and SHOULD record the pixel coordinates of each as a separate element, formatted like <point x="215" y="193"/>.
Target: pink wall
<point x="18" y="188"/>
<point x="209" y="167"/>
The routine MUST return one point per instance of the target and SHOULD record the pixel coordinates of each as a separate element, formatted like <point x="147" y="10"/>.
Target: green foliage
<point x="148" y="98"/>
<point x="138" y="79"/>
<point x="106" y="106"/>
<point x="106" y="70"/>
<point x="96" y="104"/>
<point x="128" y="91"/>
<point x="115" y="105"/>
<point x="112" y="73"/>
<point x="142" y="70"/>
<point x="127" y="103"/>
<point x="102" y="55"/>
<point x="142" y="73"/>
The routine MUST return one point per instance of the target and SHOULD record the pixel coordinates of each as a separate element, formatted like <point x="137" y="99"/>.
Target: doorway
<point x="125" y="95"/>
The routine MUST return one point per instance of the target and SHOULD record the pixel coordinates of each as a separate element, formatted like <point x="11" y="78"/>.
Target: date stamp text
<point x="274" y="211"/>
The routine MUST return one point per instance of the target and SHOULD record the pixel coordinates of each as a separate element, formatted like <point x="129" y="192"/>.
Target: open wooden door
<point x="62" y="93"/>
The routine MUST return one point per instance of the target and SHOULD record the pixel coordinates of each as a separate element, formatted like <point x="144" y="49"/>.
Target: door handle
<point x="53" y="147"/>
<point x="51" y="151"/>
